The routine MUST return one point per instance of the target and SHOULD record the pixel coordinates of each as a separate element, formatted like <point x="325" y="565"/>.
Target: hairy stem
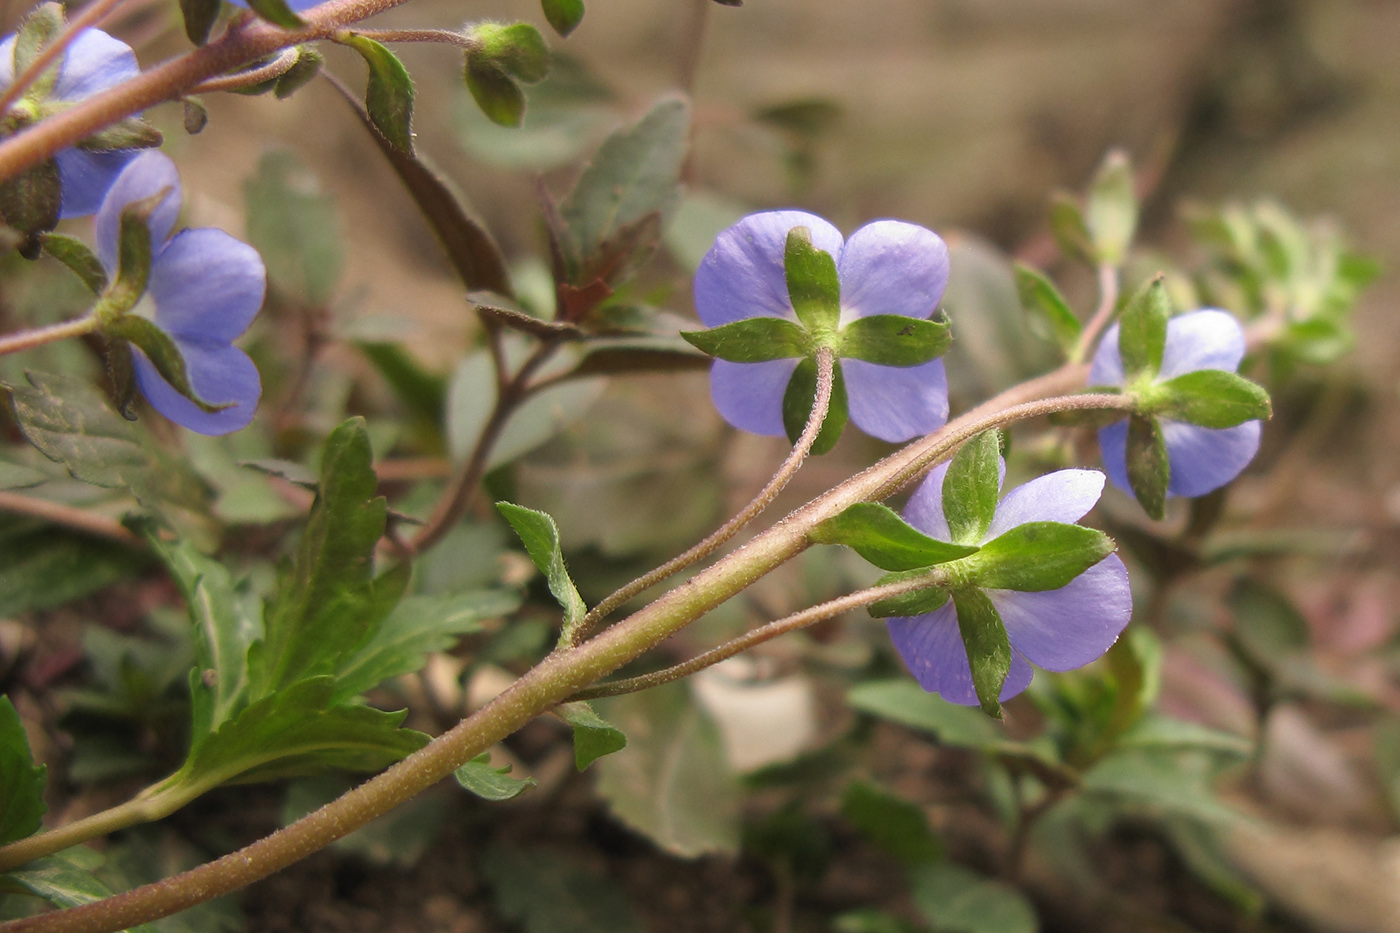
<point x="252" y="77"/>
<point x="29" y="339"/>
<point x="90" y="15"/>
<point x="561" y="675"/>
<point x="444" y="36"/>
<point x="826" y="363"/>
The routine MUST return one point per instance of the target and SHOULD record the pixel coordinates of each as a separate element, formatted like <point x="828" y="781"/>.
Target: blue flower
<point x="204" y="289"/>
<point x="886" y="267"/>
<point x="1201" y="459"/>
<point x="92" y="63"/>
<point x="1058" y="630"/>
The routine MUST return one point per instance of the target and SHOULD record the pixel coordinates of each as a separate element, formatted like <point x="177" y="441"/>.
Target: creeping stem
<point x="564" y="672"/>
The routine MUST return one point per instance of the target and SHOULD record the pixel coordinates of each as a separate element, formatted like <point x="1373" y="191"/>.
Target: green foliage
<point x="388" y="93"/>
<point x="1212" y="398"/>
<point x="800" y="397"/>
<point x="752" y="340"/>
<point x="21" y="781"/>
<point x="972" y="488"/>
<point x="1111" y="212"/>
<point x="1038" y="556"/>
<point x="894" y="340"/>
<point x="958" y="900"/>
<point x="294" y="226"/>
<point x="877" y="533"/>
<point x="1142" y="330"/>
<point x="894" y="824"/>
<point x="988" y="648"/>
<point x="66" y="880"/>
<point x="563" y="15"/>
<point x="1149" y="470"/>
<point x="1046" y="309"/>
<point x="540" y="536"/>
<point x="42" y="567"/>
<point x="491" y="783"/>
<point x="545" y="892"/>
<point x="594" y="736"/>
<point x="502" y="58"/>
<point x="813" y="288"/>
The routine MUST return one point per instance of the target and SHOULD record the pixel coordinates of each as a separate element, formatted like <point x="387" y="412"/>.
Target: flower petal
<point x="1107" y="368"/>
<point x="219" y="373"/>
<point x="933" y="650"/>
<point x="750" y="395"/>
<point x="207" y="286"/>
<point x="1204" y="459"/>
<point x="1113" y="449"/>
<point x="895" y="403"/>
<point x="891" y="267"/>
<point x="84" y="178"/>
<point x="94" y="62"/>
<point x="1062" y="629"/>
<point x="924" y="510"/>
<point x="1062" y="496"/>
<point x="146" y="175"/>
<point x="743" y="274"/>
<point x="7" y="61"/>
<point x="1202" y="340"/>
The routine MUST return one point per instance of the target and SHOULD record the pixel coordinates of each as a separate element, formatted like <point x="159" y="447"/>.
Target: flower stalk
<point x="29" y="339"/>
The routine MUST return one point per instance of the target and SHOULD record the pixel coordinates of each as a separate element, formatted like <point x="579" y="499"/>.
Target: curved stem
<point x="798" y="620"/>
<point x="826" y="363"/>
<point x="559" y="676"/>
<point x="29" y="339"/>
<point x="90" y="15"/>
<point x="66" y="515"/>
<point x="242" y="79"/>
<point x="1103" y="314"/>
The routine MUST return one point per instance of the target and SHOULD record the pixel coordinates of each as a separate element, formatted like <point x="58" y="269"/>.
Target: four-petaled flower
<point x="92" y="63"/>
<point x="885" y="268"/>
<point x="204" y="289"/>
<point x="1201" y="459"/>
<point x="1058" y="630"/>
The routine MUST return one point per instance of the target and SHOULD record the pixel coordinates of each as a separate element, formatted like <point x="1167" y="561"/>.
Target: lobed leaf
<point x="490" y="783"/>
<point x="594" y="736"/>
<point x="540" y="536"/>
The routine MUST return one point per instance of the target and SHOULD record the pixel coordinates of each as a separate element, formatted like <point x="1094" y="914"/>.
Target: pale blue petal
<point x="1202" y="340"/>
<point x="743" y="275"/>
<point x="298" y="6"/>
<point x="1067" y="628"/>
<point x="1062" y="496"/>
<point x="933" y="650"/>
<point x="750" y="395"/>
<point x="93" y="63"/>
<point x="84" y="178"/>
<point x="891" y="267"/>
<point x="896" y="403"/>
<point x="924" y="510"/>
<point x="206" y="285"/>
<point x="146" y="175"/>
<point x="1204" y="459"/>
<point x="1107" y="367"/>
<point x="7" y="61"/>
<point x="218" y="373"/>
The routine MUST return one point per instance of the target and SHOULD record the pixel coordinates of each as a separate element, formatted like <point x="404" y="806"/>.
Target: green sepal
<point x="1047" y="308"/>
<point x="894" y="340"/>
<point x="488" y="783"/>
<point x="517" y="50"/>
<point x="1211" y="398"/>
<point x="988" y="648"/>
<point x="1142" y="330"/>
<point x="196" y="115"/>
<point x="1111" y="213"/>
<point x="877" y="533"/>
<point x="76" y="255"/>
<point x="388" y="93"/>
<point x="594" y="736"/>
<point x="1038" y="556"/>
<point x="161" y="350"/>
<point x="134" y="252"/>
<point x="199" y="17"/>
<point x="1068" y="228"/>
<point x="752" y="340"/>
<point x="306" y="67"/>
<point x="277" y="12"/>
<point x="971" y="488"/>
<point x="495" y="92"/>
<point x="813" y="287"/>
<point x="21" y="781"/>
<point x="563" y="15"/>
<point x="130" y="133"/>
<point x="914" y="603"/>
<point x="30" y="202"/>
<point x="799" y="397"/>
<point x="540" y="535"/>
<point x="121" y="373"/>
<point x="1148" y="468"/>
<point x="43" y="25"/>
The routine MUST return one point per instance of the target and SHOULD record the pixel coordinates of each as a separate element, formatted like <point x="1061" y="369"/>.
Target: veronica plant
<point x="777" y="287"/>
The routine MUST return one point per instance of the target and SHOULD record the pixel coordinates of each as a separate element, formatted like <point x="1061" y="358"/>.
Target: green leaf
<point x="1111" y="213"/>
<point x="1211" y="398"/>
<point x="162" y="352"/>
<point x="801" y="395"/>
<point x="330" y="602"/>
<point x="495" y="92"/>
<point x="66" y="880"/>
<point x="199" y="17"/>
<point x="906" y="703"/>
<point x="1046" y="307"/>
<point x="43" y="567"/>
<point x="894" y="340"/>
<point x="21" y="781"/>
<point x="1038" y="556"/>
<point x="540" y="536"/>
<point x="295" y="732"/>
<point x="15" y="476"/>
<point x="544" y="892"/>
<point x="1149" y="471"/>
<point x="878" y="534"/>
<point x="488" y="783"/>
<point x="1068" y="228"/>
<point x="418" y="626"/>
<point x="916" y="602"/>
<point x="813" y="288"/>
<point x="76" y="255"/>
<point x="988" y="648"/>
<point x="971" y="488"/>
<point x="1159" y="782"/>
<point x="752" y="340"/>
<point x="672" y="782"/>
<point x="1268" y="627"/>
<point x="516" y="49"/>
<point x="389" y="93"/>
<point x="594" y="736"/>
<point x="958" y="900"/>
<point x="1142" y="330"/>
<point x="277" y="12"/>
<point x="563" y="15"/>
<point x="293" y="224"/>
<point x="1155" y="731"/>
<point x="898" y="826"/>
